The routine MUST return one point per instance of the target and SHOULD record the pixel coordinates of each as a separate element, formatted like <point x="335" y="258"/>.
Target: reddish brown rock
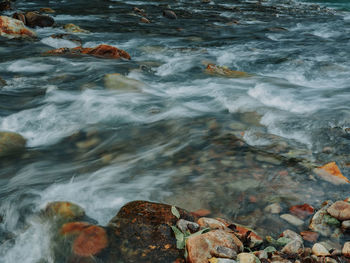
<point x="302" y="211"/>
<point x="141" y="232"/>
<point x="73" y="228"/>
<point x="102" y="51"/>
<point x="13" y="28"/>
<point x="340" y="210"/>
<point x="201" y="212"/>
<point x="200" y="248"/>
<point x="90" y="242"/>
<point x="309" y="236"/>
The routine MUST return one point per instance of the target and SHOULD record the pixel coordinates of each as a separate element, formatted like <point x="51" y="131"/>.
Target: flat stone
<point x="274" y="208"/>
<point x="346" y="249"/>
<point x="319" y="250"/>
<point x="340" y="210"/>
<point x="292" y="219"/>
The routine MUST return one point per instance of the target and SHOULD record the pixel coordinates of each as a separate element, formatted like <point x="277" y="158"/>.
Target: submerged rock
<point x="71" y="28"/>
<point x="64" y="210"/>
<point x="169" y="14"/>
<point x="47" y="10"/>
<point x="11" y="143"/>
<point x="292" y="219"/>
<point x="331" y="173"/>
<point x="142" y="233"/>
<point x="302" y="211"/>
<point x="13" y="28"/>
<point x="102" y="51"/>
<point x="70" y="37"/>
<point x="119" y="82"/>
<point x="225" y="72"/>
<point x="2" y="82"/>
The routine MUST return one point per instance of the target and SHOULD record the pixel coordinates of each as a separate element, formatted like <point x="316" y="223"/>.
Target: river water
<point x="232" y="146"/>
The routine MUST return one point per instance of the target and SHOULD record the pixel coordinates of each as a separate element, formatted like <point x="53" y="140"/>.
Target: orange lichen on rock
<point x="331" y="173"/>
<point x="13" y="28"/>
<point x="90" y="242"/>
<point x="102" y="51"/>
<point x="225" y="72"/>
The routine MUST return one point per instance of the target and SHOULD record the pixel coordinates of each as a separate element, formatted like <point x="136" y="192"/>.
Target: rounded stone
<point x="340" y="210"/>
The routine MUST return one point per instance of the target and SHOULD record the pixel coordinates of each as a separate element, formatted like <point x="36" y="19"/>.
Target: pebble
<point x="293" y="248"/>
<point x="319" y="250"/>
<point x="292" y="219"/>
<point x="274" y="208"/>
<point x="185" y="226"/>
<point x="292" y="235"/>
<point x="346" y="249"/>
<point x="340" y="210"/>
<point x="246" y="258"/>
<point x="211" y="223"/>
<point x="345" y="226"/>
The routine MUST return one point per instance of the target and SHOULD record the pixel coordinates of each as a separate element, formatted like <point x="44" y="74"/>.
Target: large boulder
<point x="11" y="143"/>
<point x="13" y="28"/>
<point x="141" y="232"/>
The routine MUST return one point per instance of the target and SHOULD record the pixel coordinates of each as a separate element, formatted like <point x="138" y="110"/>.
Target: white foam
<point x="29" y="66"/>
<point x="58" y="43"/>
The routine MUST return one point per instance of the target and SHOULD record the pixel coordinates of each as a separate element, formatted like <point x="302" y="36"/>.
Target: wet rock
<point x="345" y="226"/>
<point x="292" y="235"/>
<point x="292" y="219"/>
<point x="246" y="258"/>
<point x="225" y="72"/>
<point x="35" y="19"/>
<point x="274" y="208"/>
<point x="302" y="211"/>
<point x="70" y="37"/>
<point x="185" y="226"/>
<point x="211" y="223"/>
<point x="221" y="260"/>
<point x="5" y="5"/>
<point x="340" y="210"/>
<point x="202" y="247"/>
<point x="309" y="236"/>
<point x="119" y="82"/>
<point x="331" y="173"/>
<point x="346" y="249"/>
<point x="2" y="82"/>
<point x="319" y="250"/>
<point x="294" y="247"/>
<point x="13" y="28"/>
<point x="64" y="210"/>
<point x="20" y="16"/>
<point x="71" y="28"/>
<point x="145" y="20"/>
<point x="169" y="14"/>
<point x="11" y="143"/>
<point x="142" y="233"/>
<point x="101" y="51"/>
<point x="47" y="10"/>
<point x="318" y="223"/>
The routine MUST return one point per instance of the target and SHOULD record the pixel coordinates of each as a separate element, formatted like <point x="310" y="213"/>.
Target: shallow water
<point x="232" y="146"/>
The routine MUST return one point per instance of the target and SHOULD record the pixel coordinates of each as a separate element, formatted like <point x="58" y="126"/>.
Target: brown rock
<point x="71" y="28"/>
<point x="200" y="248"/>
<point x="302" y="211"/>
<point x="211" y="223"/>
<point x="141" y="232"/>
<point x="169" y="14"/>
<point x="5" y="5"/>
<point x="201" y="212"/>
<point x="13" y="28"/>
<point x="340" y="210"/>
<point x="11" y="143"/>
<point x="47" y="10"/>
<point x="35" y="19"/>
<point x="64" y="210"/>
<point x="145" y="20"/>
<point x="309" y="236"/>
<point x="102" y="51"/>
<point x="346" y="249"/>
<point x="225" y="72"/>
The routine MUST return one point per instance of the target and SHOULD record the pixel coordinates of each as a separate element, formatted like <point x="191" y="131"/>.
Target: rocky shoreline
<point x="144" y="231"/>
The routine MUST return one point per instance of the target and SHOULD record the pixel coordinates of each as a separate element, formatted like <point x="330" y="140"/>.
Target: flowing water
<point x="232" y="146"/>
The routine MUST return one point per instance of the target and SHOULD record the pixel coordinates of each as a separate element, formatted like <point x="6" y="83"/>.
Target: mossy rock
<point x="11" y="143"/>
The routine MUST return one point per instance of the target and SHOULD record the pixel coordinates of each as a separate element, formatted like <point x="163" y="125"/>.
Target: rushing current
<point x="230" y="145"/>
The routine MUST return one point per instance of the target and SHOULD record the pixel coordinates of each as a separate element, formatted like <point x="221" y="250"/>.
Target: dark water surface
<point x="232" y="146"/>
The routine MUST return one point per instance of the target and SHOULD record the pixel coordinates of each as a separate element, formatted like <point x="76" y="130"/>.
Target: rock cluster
<point x="144" y="231"/>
